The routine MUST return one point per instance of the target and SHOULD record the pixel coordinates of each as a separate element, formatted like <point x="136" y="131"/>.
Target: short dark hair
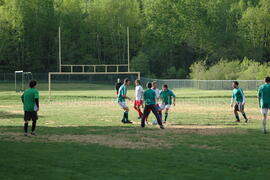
<point x="165" y="86"/>
<point x="126" y="80"/>
<point x="236" y="83"/>
<point x="267" y="79"/>
<point x="32" y="83"/>
<point x="149" y="85"/>
<point x="138" y="81"/>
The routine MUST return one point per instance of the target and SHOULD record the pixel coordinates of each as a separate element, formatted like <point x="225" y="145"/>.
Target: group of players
<point x="148" y="99"/>
<point x="151" y="99"/>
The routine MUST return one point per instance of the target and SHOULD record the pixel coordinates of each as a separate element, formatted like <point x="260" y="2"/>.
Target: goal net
<point x="22" y="80"/>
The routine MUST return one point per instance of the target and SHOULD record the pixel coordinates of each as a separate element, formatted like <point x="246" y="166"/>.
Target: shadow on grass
<point x="9" y="115"/>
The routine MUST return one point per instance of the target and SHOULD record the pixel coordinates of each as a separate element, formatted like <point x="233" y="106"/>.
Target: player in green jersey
<point x="30" y="100"/>
<point x="121" y="99"/>
<point x="166" y="96"/>
<point x="149" y="97"/>
<point x="239" y="97"/>
<point x="264" y="101"/>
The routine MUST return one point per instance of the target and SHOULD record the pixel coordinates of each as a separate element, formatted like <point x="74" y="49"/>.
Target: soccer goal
<point x="21" y="80"/>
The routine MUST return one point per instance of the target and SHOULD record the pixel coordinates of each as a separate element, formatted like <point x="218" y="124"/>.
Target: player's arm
<point x="259" y="97"/>
<point x="243" y="96"/>
<point x="22" y="98"/>
<point x="37" y="100"/>
<point x="232" y="100"/>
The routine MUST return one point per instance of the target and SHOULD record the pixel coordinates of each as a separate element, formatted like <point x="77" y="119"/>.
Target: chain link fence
<point x="7" y="82"/>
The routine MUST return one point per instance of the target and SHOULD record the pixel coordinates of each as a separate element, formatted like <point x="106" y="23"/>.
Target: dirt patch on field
<point x="116" y="141"/>
<point x="132" y="138"/>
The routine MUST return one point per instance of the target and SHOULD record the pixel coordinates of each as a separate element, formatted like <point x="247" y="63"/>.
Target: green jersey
<point x="122" y="92"/>
<point x="238" y="95"/>
<point x="149" y="97"/>
<point x="264" y="95"/>
<point x="166" y="96"/>
<point x="28" y="98"/>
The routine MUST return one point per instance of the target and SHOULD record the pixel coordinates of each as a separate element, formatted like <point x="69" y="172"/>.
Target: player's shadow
<point x="10" y="115"/>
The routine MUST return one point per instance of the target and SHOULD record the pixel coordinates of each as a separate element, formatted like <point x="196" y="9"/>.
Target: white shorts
<point x="123" y="105"/>
<point x="163" y="106"/>
<point x="264" y="110"/>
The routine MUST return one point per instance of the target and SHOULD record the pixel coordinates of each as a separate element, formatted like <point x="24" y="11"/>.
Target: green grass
<point x="80" y="137"/>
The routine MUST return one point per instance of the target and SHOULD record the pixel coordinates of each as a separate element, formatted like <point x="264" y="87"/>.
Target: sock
<point x="126" y="115"/>
<point x="34" y="125"/>
<point x="244" y="115"/>
<point x="166" y="116"/>
<point x="237" y="117"/>
<point x="25" y="127"/>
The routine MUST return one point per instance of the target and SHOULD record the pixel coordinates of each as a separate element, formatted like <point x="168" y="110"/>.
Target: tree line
<point x="167" y="37"/>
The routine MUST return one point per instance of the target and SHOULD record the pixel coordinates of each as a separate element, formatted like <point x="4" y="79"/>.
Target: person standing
<point x="149" y="97"/>
<point x="239" y="97"/>
<point x="118" y="84"/>
<point x="30" y="100"/>
<point x="121" y="98"/>
<point x="138" y="103"/>
<point x="264" y="101"/>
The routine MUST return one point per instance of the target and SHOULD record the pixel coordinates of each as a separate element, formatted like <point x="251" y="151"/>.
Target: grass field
<point x="80" y="137"/>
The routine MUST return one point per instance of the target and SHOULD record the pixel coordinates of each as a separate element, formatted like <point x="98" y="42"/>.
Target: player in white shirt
<point x="157" y="91"/>
<point x="138" y="103"/>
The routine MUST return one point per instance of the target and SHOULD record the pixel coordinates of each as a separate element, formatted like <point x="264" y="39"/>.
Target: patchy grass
<point x="80" y="137"/>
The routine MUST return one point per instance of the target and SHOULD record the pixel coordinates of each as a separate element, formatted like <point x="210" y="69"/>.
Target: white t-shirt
<point x="157" y="91"/>
<point x="139" y="92"/>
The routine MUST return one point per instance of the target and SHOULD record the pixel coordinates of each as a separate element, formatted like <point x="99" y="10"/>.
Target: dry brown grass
<point x="141" y="139"/>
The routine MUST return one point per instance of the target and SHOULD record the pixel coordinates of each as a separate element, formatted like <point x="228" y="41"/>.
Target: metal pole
<point x="60" y="60"/>
<point x="49" y="81"/>
<point x="15" y="81"/>
<point x="128" y="47"/>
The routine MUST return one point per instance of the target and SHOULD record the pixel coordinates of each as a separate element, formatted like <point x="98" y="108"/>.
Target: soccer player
<point x="118" y="84"/>
<point x="264" y="101"/>
<point x="240" y="99"/>
<point x="149" y="97"/>
<point x="157" y="91"/>
<point x="30" y="100"/>
<point x="138" y="97"/>
<point x="166" y="96"/>
<point x="121" y="98"/>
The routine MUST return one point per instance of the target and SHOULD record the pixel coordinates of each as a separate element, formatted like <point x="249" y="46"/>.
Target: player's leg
<point x="236" y="109"/>
<point x="242" y="110"/>
<point x="137" y="107"/>
<point x="26" y="119"/>
<point x="34" y="122"/>
<point x="167" y="108"/>
<point x="154" y="110"/>
<point x="125" y="114"/>
<point x="264" y="113"/>
<point x="146" y="112"/>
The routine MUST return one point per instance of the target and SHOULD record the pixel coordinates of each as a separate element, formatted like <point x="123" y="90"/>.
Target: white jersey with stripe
<point x="139" y="92"/>
<point x="157" y="91"/>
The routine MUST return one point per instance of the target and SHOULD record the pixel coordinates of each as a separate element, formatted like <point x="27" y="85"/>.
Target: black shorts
<point x="239" y="107"/>
<point x="30" y="115"/>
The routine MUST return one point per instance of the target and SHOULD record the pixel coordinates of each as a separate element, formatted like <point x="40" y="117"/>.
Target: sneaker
<point x="161" y="127"/>
<point x="33" y="134"/>
<point x="246" y="120"/>
<point x="123" y="121"/>
<point x="237" y="121"/>
<point x="25" y="134"/>
<point x="128" y="122"/>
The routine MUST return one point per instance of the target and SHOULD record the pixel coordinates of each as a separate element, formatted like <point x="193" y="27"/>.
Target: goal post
<point x="87" y="78"/>
<point x="23" y="79"/>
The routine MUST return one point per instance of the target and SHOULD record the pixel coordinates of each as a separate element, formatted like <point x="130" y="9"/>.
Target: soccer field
<point x="80" y="137"/>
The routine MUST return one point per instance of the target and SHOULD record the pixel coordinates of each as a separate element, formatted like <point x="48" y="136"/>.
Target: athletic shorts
<point x="123" y="105"/>
<point x="30" y="115"/>
<point x="164" y="106"/>
<point x="239" y="107"/>
<point x="138" y="103"/>
<point x="264" y="110"/>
